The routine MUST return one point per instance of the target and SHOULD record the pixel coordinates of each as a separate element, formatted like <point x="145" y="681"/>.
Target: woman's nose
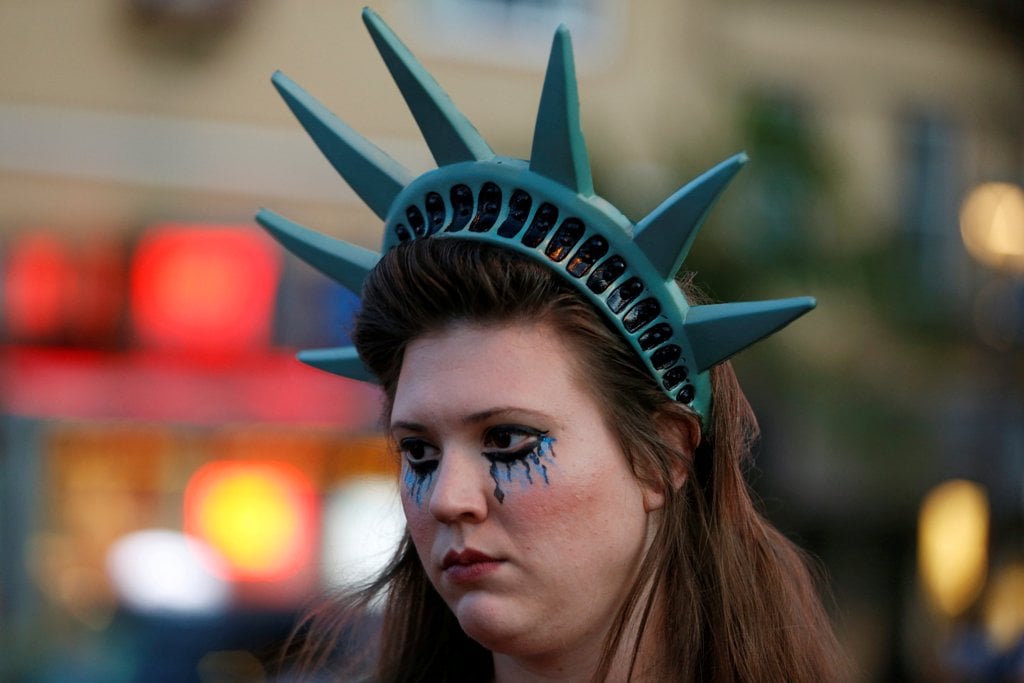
<point x="460" y="487"/>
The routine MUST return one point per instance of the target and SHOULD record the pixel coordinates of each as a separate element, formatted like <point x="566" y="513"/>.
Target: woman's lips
<point x="468" y="565"/>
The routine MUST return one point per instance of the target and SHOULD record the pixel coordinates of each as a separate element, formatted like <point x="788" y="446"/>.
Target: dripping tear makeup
<point x="532" y="456"/>
<point x="516" y="453"/>
<point x="419" y="470"/>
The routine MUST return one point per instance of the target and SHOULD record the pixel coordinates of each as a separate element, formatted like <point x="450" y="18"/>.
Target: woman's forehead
<point x="467" y="368"/>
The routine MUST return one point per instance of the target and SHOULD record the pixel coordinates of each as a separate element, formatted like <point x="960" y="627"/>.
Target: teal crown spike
<point x="375" y="177"/>
<point x="559" y="152"/>
<point x="347" y="263"/>
<point x="449" y="134"/>
<point x="342" y="361"/>
<point x="544" y="210"/>
<point x="719" y="331"/>
<point x="667" y="233"/>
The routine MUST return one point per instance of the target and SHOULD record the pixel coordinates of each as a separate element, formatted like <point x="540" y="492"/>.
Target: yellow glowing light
<point x="952" y="549"/>
<point x="992" y="225"/>
<point x="1003" y="612"/>
<point x="259" y="516"/>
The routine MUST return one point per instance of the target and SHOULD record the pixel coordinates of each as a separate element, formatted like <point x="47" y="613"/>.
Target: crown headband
<point x="545" y="209"/>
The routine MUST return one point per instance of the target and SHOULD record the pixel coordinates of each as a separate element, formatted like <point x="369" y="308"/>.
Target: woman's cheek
<point x="418" y="520"/>
<point x="535" y="510"/>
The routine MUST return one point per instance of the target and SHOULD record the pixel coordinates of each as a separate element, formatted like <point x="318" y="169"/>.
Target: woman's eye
<point x="416" y="450"/>
<point x="508" y="436"/>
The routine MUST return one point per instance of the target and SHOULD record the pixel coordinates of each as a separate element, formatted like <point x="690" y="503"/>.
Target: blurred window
<point x="515" y="32"/>
<point x="933" y="187"/>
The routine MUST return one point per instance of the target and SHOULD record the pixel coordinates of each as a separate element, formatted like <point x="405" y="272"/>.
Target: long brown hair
<point x="735" y="599"/>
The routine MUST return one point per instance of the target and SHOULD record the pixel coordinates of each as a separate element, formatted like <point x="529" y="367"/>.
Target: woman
<point x="571" y="441"/>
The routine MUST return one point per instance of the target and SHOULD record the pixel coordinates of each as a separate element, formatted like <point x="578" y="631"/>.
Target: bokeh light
<point x="260" y="516"/>
<point x="37" y="286"/>
<point x="952" y="550"/>
<point x="992" y="225"/>
<point x="363" y="524"/>
<point x="204" y="288"/>
<point x="1004" y="606"/>
<point x="163" y="571"/>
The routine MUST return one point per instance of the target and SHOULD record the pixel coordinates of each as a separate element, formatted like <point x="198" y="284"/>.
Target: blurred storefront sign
<point x="148" y="385"/>
<point x="164" y="458"/>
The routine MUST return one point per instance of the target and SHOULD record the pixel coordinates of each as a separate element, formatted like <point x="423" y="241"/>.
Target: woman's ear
<point x="680" y="431"/>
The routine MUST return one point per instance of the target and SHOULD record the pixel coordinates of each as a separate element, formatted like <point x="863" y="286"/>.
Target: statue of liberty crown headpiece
<point x="545" y="209"/>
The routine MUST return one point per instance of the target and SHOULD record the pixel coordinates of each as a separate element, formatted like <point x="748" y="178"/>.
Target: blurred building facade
<point x="868" y="124"/>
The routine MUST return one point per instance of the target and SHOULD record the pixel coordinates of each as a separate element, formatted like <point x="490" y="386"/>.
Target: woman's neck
<point x="578" y="662"/>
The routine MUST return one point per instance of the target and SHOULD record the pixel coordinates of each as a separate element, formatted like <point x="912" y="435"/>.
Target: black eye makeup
<point x="516" y="452"/>
<point x="422" y="459"/>
<point x="503" y="438"/>
<point x="421" y="455"/>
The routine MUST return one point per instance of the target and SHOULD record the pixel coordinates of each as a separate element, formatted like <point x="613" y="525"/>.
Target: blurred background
<point x="175" y="488"/>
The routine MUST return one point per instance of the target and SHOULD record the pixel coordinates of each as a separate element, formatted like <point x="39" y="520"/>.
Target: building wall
<point x="659" y="84"/>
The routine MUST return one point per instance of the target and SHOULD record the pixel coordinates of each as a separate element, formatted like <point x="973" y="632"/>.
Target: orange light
<point x="204" y="288"/>
<point x="261" y="516"/>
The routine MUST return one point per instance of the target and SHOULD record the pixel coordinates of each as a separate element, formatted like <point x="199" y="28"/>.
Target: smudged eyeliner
<point x="527" y="459"/>
<point x="534" y="453"/>
<point x="420" y="474"/>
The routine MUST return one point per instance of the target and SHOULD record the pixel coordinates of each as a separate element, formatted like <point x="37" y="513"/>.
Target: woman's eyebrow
<point x="415" y="427"/>
<point x="491" y="413"/>
<point x="474" y="418"/>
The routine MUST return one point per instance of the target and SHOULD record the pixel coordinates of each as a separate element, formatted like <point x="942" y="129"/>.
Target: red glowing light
<point x="56" y="289"/>
<point x="37" y="287"/>
<point x="204" y="288"/>
<point x="260" y="516"/>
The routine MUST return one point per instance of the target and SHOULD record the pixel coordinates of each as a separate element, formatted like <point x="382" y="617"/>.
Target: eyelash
<point x="495" y="452"/>
<point x="525" y="446"/>
<point x="418" y="465"/>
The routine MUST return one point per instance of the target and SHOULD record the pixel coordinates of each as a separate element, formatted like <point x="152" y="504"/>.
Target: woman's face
<point x="518" y="498"/>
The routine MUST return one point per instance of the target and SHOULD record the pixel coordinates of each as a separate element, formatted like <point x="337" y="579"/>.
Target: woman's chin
<point x="488" y="621"/>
